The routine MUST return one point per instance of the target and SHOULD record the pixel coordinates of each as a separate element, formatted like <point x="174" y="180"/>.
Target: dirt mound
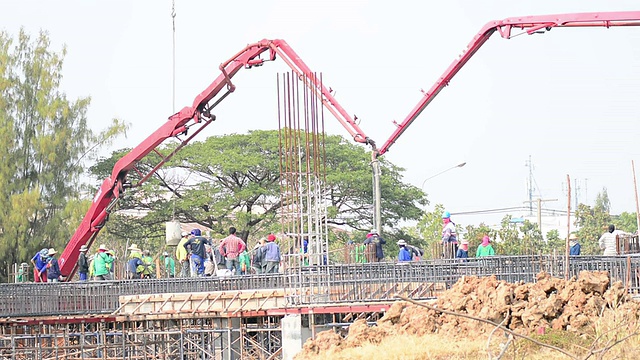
<point x="523" y="307"/>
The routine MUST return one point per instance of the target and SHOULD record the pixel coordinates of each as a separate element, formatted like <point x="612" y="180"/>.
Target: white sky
<point x="569" y="98"/>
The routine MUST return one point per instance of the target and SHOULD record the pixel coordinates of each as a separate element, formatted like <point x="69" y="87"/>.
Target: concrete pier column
<point x="291" y="336"/>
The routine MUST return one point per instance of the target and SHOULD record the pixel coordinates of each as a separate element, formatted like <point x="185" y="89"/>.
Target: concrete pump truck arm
<point x="508" y="29"/>
<point x="199" y="115"/>
<point x="184" y="126"/>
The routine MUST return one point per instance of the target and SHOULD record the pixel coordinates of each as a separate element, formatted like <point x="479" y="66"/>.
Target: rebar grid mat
<point x="349" y="283"/>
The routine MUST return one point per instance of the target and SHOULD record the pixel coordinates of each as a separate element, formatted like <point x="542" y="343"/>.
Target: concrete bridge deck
<point x="240" y="317"/>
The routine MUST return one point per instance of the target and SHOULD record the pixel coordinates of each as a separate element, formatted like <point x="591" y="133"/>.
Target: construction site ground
<point x="584" y="317"/>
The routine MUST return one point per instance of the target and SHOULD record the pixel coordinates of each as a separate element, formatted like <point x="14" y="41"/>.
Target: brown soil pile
<point x="524" y="307"/>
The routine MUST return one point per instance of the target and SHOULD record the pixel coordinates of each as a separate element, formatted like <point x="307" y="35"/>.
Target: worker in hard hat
<point x="449" y="237"/>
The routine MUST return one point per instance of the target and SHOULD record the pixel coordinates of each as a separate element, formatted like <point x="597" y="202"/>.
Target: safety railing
<point x="313" y="284"/>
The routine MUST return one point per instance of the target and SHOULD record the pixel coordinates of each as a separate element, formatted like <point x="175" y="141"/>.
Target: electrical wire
<point x="509" y="209"/>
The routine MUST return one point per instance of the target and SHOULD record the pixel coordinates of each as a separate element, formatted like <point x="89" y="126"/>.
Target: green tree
<point x="626" y="221"/>
<point x="518" y="239"/>
<point x="532" y="241"/>
<point x="429" y="228"/>
<point x="510" y="242"/>
<point x="555" y="243"/>
<point x="592" y="222"/>
<point x="45" y="137"/>
<point x="235" y="180"/>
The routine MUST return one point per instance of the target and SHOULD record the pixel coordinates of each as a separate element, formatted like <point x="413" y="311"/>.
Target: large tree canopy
<point x="234" y="180"/>
<point x="593" y="222"/>
<point x="45" y="137"/>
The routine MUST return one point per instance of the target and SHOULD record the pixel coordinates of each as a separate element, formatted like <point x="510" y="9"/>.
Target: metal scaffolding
<point x="302" y="185"/>
<point x="167" y="339"/>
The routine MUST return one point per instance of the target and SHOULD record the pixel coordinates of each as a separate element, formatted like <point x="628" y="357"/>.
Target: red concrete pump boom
<point x="529" y="25"/>
<point x="199" y="115"/>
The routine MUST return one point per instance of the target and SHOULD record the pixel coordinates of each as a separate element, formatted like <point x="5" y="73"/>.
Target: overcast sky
<point x="568" y="98"/>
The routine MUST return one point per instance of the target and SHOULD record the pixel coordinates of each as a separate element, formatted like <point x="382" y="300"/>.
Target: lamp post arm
<point x="442" y="172"/>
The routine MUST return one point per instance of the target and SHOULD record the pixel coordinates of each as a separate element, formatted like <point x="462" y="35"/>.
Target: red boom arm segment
<point x="529" y="25"/>
<point x="199" y="115"/>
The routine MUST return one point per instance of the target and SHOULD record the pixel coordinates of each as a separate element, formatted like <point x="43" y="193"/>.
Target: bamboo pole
<point x="566" y="255"/>
<point x="635" y="189"/>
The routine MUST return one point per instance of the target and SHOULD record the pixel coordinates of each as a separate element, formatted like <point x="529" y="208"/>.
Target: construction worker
<point x="169" y="265"/>
<point x="404" y="254"/>
<point x="101" y="263"/>
<point x="272" y="255"/>
<point x="245" y="262"/>
<point x="449" y="237"/>
<point x="182" y="255"/>
<point x="53" y="269"/>
<point x="83" y="263"/>
<point x="231" y="247"/>
<point x="374" y="243"/>
<point x="463" y="250"/>
<point x="111" y="266"/>
<point x="257" y="256"/>
<point x="39" y="261"/>
<point x="574" y="245"/>
<point x="134" y="263"/>
<point x="485" y="249"/>
<point x="92" y="271"/>
<point x="149" y="271"/>
<point x="196" y="245"/>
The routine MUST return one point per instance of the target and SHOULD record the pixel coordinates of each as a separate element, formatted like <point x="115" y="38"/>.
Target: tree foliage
<point x="510" y="238"/>
<point x="592" y="222"/>
<point x="626" y="221"/>
<point x="45" y="136"/>
<point x="555" y="244"/>
<point x="429" y="228"/>
<point x="526" y="238"/>
<point x="234" y="180"/>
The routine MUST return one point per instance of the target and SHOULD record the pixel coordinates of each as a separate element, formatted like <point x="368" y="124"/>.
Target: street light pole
<point x="442" y="172"/>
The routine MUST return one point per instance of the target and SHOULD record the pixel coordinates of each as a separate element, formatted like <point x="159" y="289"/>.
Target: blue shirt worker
<point x="53" y="269"/>
<point x="404" y="254"/>
<point x="271" y="255"/>
<point x="574" y="245"/>
<point x="196" y="245"/>
<point x="39" y="261"/>
<point x="134" y="263"/>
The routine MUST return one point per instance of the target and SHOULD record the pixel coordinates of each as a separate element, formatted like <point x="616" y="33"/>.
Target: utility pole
<point x="566" y="253"/>
<point x="576" y="193"/>
<point x="530" y="185"/>
<point x="539" y="201"/>
<point x="635" y="190"/>
<point x="586" y="193"/>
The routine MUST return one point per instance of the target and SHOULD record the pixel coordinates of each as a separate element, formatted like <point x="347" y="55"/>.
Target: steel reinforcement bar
<point x="313" y="284"/>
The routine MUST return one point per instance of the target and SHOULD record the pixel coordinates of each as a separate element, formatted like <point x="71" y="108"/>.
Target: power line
<point x="508" y="209"/>
<point x="487" y="211"/>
